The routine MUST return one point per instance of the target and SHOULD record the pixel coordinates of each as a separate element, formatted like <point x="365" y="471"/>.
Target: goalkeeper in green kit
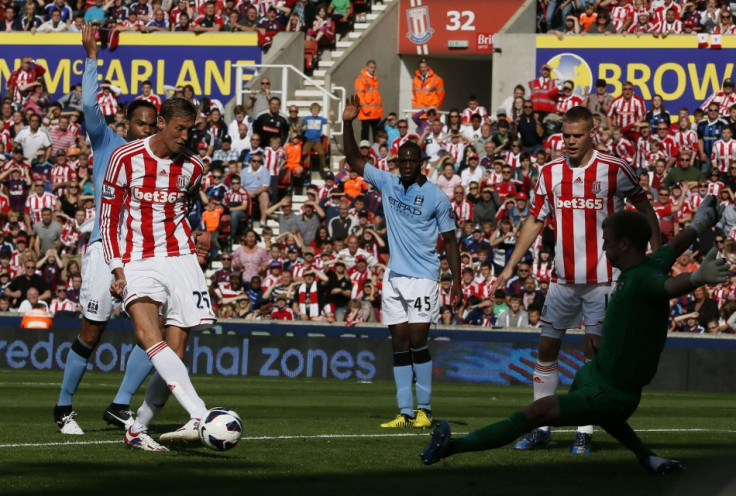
<point x="606" y="391"/>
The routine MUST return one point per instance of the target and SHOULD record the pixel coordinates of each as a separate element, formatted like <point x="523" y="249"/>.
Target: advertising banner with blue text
<point x="176" y="59"/>
<point x="673" y="67"/>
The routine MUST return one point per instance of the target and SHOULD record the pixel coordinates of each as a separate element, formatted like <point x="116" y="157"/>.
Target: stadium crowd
<point x="327" y="261"/>
<point x="266" y="18"/>
<point x="659" y="18"/>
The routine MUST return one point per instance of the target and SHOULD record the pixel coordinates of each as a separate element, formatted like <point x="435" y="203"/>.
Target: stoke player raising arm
<point x="416" y="213"/>
<point x="579" y="189"/>
<point x="152" y="257"/>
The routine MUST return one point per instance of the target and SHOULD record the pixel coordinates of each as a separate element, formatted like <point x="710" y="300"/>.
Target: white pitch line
<point x="334" y="436"/>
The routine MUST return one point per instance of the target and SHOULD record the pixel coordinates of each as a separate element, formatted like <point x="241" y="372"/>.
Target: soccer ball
<point x="220" y="429"/>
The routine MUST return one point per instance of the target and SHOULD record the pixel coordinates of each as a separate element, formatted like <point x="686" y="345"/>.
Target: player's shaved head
<point x="579" y="114"/>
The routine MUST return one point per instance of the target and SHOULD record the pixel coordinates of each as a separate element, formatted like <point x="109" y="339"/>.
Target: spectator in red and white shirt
<point x="663" y="7"/>
<point x="62" y="174"/>
<point x="622" y="16"/>
<point x="554" y="143"/>
<point x="132" y="23"/>
<point x="685" y="137"/>
<point x="725" y="24"/>
<point x="724" y="98"/>
<point x="669" y="24"/>
<point x="281" y="311"/>
<point x="642" y="24"/>
<point x="461" y="206"/>
<point x="108" y="100"/>
<point x="724" y="151"/>
<point x="147" y="89"/>
<point x="61" y="303"/>
<point x="622" y="147"/>
<point x="62" y="137"/>
<point x="667" y="144"/>
<point x="643" y="147"/>
<point x="474" y="107"/>
<point x="37" y="201"/>
<point x="23" y="81"/>
<point x="626" y="110"/>
<point x="566" y="99"/>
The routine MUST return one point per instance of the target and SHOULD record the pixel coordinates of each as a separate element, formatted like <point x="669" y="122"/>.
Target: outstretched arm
<point x="352" y="152"/>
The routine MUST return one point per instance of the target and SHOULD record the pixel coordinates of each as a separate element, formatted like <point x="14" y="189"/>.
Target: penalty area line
<point x="335" y="436"/>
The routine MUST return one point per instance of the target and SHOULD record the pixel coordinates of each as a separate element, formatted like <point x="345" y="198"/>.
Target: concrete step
<point x="319" y="74"/>
<point x="353" y="35"/>
<point x="320" y="82"/>
<point x="337" y="54"/>
<point x="379" y="7"/>
<point x="371" y="17"/>
<point x="344" y="44"/>
<point x="361" y="25"/>
<point x="327" y="63"/>
<point x="308" y="93"/>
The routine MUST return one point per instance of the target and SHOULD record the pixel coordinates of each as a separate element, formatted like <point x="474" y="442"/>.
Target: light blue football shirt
<point x="104" y="140"/>
<point x="414" y="220"/>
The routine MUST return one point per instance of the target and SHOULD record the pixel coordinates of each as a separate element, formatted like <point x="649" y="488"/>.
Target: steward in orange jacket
<point x="428" y="89"/>
<point x="371" y="106"/>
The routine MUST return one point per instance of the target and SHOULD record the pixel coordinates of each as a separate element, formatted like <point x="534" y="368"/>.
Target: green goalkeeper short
<point x="588" y="402"/>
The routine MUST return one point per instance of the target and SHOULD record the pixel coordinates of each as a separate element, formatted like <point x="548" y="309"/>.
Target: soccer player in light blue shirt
<point x="96" y="300"/>
<point x="417" y="212"/>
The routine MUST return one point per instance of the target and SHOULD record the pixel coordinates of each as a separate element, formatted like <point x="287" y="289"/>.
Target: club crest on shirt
<point x="597" y="187"/>
<point x="182" y="181"/>
<point x="419" y="200"/>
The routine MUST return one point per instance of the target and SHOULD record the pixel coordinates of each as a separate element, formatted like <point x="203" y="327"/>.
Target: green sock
<point x="494" y="435"/>
<point x="626" y="436"/>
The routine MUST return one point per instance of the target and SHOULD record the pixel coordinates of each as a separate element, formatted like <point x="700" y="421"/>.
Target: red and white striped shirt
<point x="721" y="29"/>
<point x="236" y="197"/>
<point x="62" y="174"/>
<point x="686" y="140"/>
<point x="667" y="146"/>
<point x="723" y="154"/>
<point x="543" y="271"/>
<point x="264" y="5"/>
<point x="555" y="143"/>
<point x="480" y="110"/>
<point x="463" y="211"/>
<point x="4" y="203"/>
<point x="471" y="289"/>
<point x="513" y="159"/>
<point x="714" y="188"/>
<point x="661" y="11"/>
<point x="445" y="297"/>
<point x="359" y="279"/>
<point x="35" y="203"/>
<point x="694" y="201"/>
<point x="456" y="150"/>
<point x="58" y="305"/>
<point x="624" y="150"/>
<point x="273" y="160"/>
<point x="580" y="198"/>
<point x="620" y="14"/>
<point x="642" y="151"/>
<point x="154" y="99"/>
<point x="627" y="112"/>
<point x="664" y="27"/>
<point x="565" y="103"/>
<point x="153" y="193"/>
<point x="108" y="103"/>
<point x="723" y="100"/>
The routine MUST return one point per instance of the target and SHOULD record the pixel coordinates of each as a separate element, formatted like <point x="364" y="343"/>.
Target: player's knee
<point x="549" y="348"/>
<point x="91" y="333"/>
<point x="420" y="354"/>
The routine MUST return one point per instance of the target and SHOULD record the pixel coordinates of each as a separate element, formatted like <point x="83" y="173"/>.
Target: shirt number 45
<point x="202" y="297"/>
<point x="418" y="304"/>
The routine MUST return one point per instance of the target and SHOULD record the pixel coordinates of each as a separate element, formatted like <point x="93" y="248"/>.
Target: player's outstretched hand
<point x="503" y="277"/>
<point x="707" y="214"/>
<point x="352" y="108"/>
<point x="456" y="297"/>
<point x="712" y="270"/>
<point x="89" y="41"/>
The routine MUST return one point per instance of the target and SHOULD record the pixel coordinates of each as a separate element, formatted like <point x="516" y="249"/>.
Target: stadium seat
<point x="311" y="56"/>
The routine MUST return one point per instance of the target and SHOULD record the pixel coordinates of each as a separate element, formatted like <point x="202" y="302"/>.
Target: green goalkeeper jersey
<point x="635" y="327"/>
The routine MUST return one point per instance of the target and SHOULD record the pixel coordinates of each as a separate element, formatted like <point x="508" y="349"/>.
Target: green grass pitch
<point x="322" y="437"/>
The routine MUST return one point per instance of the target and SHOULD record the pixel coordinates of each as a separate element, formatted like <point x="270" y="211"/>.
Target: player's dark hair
<point x="136" y="104"/>
<point x="415" y="149"/>
<point x="579" y="114"/>
<point x="631" y="225"/>
<point x="178" y="107"/>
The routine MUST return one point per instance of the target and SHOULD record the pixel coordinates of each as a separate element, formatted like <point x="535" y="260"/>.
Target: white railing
<point x="328" y="97"/>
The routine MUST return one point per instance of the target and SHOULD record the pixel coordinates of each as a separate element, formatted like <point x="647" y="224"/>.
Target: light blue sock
<point x="136" y="371"/>
<point x="403" y="376"/>
<point x="422" y="362"/>
<point x="74" y="369"/>
<point x="423" y="371"/>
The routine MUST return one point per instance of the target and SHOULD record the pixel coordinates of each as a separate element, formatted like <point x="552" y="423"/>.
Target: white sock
<point x="545" y="380"/>
<point x="157" y="393"/>
<point x="174" y="373"/>
<point x="586" y="429"/>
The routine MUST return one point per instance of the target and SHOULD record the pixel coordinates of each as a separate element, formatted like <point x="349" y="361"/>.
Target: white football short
<point x="569" y="305"/>
<point x="177" y="283"/>
<point x="94" y="296"/>
<point x="409" y="299"/>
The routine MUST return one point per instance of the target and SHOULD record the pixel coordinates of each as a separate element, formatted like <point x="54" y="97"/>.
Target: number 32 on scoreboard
<point x="460" y="20"/>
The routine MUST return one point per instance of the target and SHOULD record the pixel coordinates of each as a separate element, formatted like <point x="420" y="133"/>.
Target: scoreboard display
<point x="430" y="27"/>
